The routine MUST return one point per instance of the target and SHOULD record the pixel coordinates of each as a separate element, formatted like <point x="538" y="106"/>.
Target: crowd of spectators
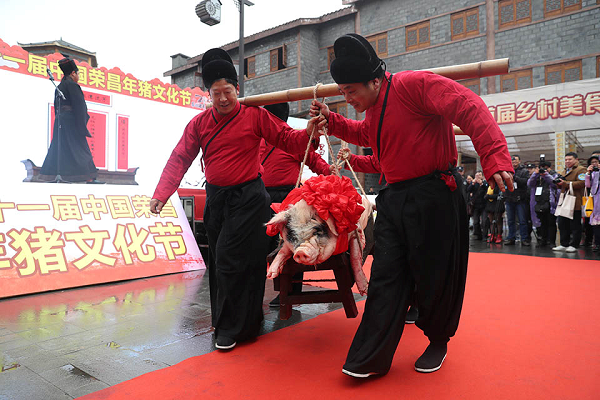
<point x="530" y="209"/>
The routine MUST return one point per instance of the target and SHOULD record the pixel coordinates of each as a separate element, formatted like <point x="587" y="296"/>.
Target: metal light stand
<point x="58" y="93"/>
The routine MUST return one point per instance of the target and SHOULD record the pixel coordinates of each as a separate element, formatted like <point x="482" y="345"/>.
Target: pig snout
<point x="306" y="253"/>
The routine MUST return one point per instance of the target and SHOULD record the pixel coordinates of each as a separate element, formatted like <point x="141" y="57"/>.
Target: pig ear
<point x="276" y="223"/>
<point x="331" y="226"/>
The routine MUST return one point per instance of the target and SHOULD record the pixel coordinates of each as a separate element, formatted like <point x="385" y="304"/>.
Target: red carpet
<point x="529" y="330"/>
<point x="328" y="274"/>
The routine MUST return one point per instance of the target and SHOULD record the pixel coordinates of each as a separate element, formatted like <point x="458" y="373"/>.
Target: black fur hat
<point x="216" y="64"/>
<point x="67" y="66"/>
<point x="355" y="60"/>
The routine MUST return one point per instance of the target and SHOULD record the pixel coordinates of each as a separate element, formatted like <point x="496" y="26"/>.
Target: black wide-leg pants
<point x="422" y="238"/>
<point x="234" y="217"/>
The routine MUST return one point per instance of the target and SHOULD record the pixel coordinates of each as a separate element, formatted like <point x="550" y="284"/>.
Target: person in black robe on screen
<point x="69" y="154"/>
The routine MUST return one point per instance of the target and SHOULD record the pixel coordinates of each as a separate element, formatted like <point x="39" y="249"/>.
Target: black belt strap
<point x="265" y="159"/>
<point x="219" y="131"/>
<point x="387" y="91"/>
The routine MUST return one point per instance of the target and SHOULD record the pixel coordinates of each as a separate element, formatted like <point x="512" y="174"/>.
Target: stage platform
<point x="68" y="343"/>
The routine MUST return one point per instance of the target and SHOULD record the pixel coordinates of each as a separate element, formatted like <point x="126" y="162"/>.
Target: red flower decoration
<point x="331" y="196"/>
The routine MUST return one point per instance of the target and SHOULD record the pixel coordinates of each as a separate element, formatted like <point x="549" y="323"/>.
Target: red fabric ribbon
<point x="331" y="196"/>
<point x="450" y="181"/>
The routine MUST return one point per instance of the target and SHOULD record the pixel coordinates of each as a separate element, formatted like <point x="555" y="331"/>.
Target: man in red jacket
<point x="237" y="205"/>
<point x="421" y="231"/>
<point x="281" y="172"/>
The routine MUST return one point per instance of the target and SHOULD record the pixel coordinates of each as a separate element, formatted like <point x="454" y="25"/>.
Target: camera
<point x="542" y="163"/>
<point x="596" y="169"/>
<point x="558" y="179"/>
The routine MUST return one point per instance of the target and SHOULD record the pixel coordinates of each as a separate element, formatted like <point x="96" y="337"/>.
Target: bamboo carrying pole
<point x="462" y="71"/>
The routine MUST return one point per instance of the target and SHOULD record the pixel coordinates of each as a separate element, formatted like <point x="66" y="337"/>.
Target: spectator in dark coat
<point x="477" y="191"/>
<point x="542" y="198"/>
<point x="516" y="205"/>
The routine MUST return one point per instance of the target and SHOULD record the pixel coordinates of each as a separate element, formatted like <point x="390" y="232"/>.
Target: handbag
<point x="566" y="204"/>
<point x="588" y="203"/>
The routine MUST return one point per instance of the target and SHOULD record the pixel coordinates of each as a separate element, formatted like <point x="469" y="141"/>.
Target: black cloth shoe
<point x="225" y="343"/>
<point x="509" y="242"/>
<point x="358" y="374"/>
<point x="412" y="315"/>
<point x="433" y="357"/>
<point x="541" y="243"/>
<point x="275" y="302"/>
<point x="525" y="242"/>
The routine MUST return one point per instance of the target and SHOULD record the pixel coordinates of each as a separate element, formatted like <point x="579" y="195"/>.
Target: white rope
<point x="337" y="163"/>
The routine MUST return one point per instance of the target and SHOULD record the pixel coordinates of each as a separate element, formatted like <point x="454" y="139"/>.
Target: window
<point x="340" y="107"/>
<point x="278" y="58"/>
<point x="379" y="43"/>
<point x="565" y="72"/>
<point x="512" y="12"/>
<point x="556" y="7"/>
<point x="516" y="81"/>
<point x="250" y="67"/>
<point x="473" y="84"/>
<point x="465" y="24"/>
<point x="417" y="36"/>
<point x="330" y="56"/>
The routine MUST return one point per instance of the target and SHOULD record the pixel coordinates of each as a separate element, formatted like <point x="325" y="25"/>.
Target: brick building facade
<point x="547" y="41"/>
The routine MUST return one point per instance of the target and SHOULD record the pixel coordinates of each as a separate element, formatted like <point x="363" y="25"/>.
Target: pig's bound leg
<point x="279" y="261"/>
<point x="356" y="262"/>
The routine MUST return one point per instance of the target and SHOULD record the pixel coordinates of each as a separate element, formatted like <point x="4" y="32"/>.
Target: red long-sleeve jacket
<point x="230" y="146"/>
<point x="417" y="136"/>
<point x="368" y="164"/>
<point x="282" y="169"/>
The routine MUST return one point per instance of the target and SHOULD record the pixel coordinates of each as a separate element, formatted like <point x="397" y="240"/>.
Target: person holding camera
<point x="516" y="205"/>
<point x="543" y="198"/>
<point x="570" y="229"/>
<point x="592" y="181"/>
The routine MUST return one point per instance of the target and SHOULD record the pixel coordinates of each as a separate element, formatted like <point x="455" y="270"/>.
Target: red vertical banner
<point x="122" y="142"/>
<point x="97" y="128"/>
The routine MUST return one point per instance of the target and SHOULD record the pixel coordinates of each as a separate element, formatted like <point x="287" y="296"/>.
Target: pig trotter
<point x="279" y="261"/>
<point x="356" y="262"/>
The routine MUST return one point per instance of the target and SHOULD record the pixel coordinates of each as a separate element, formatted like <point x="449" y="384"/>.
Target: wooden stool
<point x="340" y="264"/>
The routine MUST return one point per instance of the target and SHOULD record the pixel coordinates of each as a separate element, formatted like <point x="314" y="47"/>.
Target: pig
<point x="310" y="240"/>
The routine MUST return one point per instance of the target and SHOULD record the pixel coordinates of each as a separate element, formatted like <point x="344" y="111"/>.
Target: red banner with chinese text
<point x="15" y="59"/>
<point x="97" y="127"/>
<point x="122" y="142"/>
<point x="55" y="236"/>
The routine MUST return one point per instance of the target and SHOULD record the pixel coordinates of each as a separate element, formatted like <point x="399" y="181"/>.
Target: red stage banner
<point x="113" y="80"/>
<point x="97" y="127"/>
<point x="71" y="237"/>
<point x="122" y="142"/>
<point x="104" y="99"/>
